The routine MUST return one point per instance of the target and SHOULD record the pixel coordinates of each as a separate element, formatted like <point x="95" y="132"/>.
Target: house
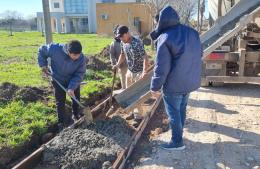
<point x="133" y="14"/>
<point x="70" y="16"/>
<point x="96" y="16"/>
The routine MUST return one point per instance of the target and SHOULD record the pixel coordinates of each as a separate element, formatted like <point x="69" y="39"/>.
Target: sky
<point x="25" y="7"/>
<point x="30" y="7"/>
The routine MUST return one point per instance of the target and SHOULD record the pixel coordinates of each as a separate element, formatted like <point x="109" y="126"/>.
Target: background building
<point x="70" y="16"/>
<point x="134" y="15"/>
<point x="82" y="16"/>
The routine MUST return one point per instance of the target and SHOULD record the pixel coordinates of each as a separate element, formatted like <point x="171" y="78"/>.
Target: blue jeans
<point x="176" y="109"/>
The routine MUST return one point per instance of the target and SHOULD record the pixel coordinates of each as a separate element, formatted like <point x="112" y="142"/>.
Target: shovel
<point x="111" y="110"/>
<point x="112" y="88"/>
<point x="86" y="110"/>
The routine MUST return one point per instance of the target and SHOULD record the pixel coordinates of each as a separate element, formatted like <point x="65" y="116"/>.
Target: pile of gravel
<point x="92" y="147"/>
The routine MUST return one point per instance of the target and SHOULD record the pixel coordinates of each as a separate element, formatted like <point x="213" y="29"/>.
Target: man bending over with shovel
<point x="68" y="66"/>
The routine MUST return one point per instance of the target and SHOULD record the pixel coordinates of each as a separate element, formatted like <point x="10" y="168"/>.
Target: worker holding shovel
<point x="133" y="52"/>
<point x="68" y="66"/>
<point x="115" y="51"/>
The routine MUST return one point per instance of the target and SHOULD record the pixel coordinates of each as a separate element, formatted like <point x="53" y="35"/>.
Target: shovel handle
<point x="112" y="89"/>
<point x="65" y="90"/>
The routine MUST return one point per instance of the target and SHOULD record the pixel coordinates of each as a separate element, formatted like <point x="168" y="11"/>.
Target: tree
<point x="10" y="17"/>
<point x="156" y="6"/>
<point x="185" y="8"/>
<point x="32" y="22"/>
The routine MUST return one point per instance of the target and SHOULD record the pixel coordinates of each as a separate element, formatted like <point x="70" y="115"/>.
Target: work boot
<point x="173" y="146"/>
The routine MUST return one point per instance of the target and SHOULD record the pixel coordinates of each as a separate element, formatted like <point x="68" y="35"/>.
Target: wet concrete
<point x="93" y="147"/>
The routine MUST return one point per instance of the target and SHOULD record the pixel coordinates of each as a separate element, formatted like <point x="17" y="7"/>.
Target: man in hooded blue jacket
<point x="177" y="70"/>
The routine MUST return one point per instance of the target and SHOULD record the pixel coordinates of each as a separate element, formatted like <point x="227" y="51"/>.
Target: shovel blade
<point x="88" y="115"/>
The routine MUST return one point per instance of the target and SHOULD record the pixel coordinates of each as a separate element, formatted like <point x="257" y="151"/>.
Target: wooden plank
<point x="124" y="155"/>
<point x="30" y="161"/>
<point x="234" y="79"/>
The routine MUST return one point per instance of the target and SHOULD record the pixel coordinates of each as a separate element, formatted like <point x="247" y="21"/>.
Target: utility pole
<point x="198" y="19"/>
<point x="47" y="21"/>
<point x="202" y="10"/>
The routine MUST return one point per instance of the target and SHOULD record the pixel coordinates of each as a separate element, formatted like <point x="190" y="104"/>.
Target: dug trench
<point x="95" y="146"/>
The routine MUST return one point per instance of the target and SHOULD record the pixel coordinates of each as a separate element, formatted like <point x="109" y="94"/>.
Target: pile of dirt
<point x="30" y="94"/>
<point x="105" y="52"/>
<point x="9" y="92"/>
<point x="93" y="147"/>
<point x="95" y="63"/>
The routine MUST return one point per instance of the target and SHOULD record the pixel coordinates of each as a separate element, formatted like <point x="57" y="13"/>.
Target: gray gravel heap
<point x="88" y="147"/>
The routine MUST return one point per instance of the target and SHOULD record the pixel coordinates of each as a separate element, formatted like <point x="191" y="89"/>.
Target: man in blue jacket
<point x="68" y="65"/>
<point x="177" y="70"/>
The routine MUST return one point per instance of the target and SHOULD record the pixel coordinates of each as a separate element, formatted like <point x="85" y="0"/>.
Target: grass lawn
<point x="19" y="121"/>
<point x="18" y="54"/>
<point x="18" y="65"/>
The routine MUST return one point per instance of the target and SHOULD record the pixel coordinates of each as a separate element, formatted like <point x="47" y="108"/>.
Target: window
<point x="104" y="16"/>
<point x="84" y="21"/>
<point x="56" y="5"/>
<point x="136" y="21"/>
<point x="76" y="6"/>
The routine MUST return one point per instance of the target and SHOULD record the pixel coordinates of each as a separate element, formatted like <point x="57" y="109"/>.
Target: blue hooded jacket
<point x="68" y="72"/>
<point x="179" y="51"/>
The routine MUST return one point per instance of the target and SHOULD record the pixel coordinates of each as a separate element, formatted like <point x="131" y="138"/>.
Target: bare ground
<point x="222" y="131"/>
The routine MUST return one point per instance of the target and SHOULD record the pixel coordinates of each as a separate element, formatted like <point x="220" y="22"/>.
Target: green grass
<point x="19" y="121"/>
<point x="22" y="74"/>
<point x="24" y="45"/>
<point x="18" y="54"/>
<point x="18" y="65"/>
<point x="94" y="86"/>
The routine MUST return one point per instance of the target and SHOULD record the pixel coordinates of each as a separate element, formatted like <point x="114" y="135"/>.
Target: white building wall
<point x="92" y="20"/>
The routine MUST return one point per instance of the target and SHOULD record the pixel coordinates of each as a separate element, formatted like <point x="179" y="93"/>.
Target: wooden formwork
<point x="100" y="112"/>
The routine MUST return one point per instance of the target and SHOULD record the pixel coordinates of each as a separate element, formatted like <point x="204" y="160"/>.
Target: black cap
<point x="121" y="30"/>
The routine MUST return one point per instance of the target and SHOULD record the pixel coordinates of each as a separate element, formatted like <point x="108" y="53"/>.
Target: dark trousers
<point x="60" y="97"/>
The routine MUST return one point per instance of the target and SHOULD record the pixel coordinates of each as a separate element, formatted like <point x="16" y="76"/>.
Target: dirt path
<point x="222" y="131"/>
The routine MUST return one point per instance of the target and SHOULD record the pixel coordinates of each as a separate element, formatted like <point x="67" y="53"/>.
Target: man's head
<point x="74" y="49"/>
<point x="123" y="34"/>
